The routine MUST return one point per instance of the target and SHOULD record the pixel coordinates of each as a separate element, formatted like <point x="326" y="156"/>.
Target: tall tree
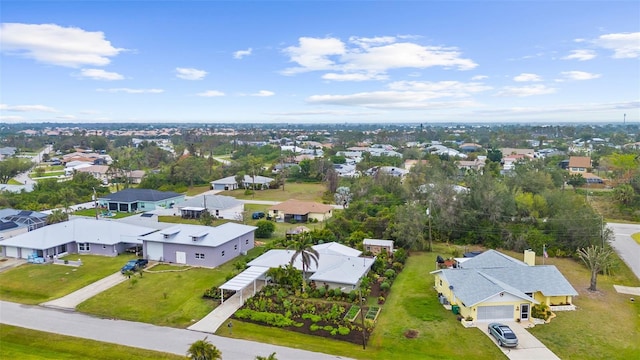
<point x="203" y="350"/>
<point x="597" y="259"/>
<point x="303" y="248"/>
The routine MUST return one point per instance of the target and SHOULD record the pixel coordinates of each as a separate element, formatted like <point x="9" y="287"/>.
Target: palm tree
<point x="271" y="356"/>
<point x="597" y="259"/>
<point x="57" y="216"/>
<point x="303" y="247"/>
<point x="203" y="350"/>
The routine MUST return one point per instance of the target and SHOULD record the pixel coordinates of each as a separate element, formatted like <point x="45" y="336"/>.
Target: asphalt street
<point x="140" y="335"/>
<point x="625" y="246"/>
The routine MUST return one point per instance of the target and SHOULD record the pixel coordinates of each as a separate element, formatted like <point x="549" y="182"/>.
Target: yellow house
<point x="300" y="211"/>
<point x="496" y="287"/>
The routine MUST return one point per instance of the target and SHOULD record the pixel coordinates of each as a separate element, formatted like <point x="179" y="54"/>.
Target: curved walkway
<point x="140" y="335"/>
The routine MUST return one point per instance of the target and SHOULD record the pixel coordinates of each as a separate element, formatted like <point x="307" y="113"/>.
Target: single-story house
<point x="300" y="211"/>
<point x="14" y="222"/>
<point x="256" y="182"/>
<point x="339" y="266"/>
<point x="133" y="200"/>
<point x="493" y="287"/>
<point x="199" y="245"/>
<point x="579" y="164"/>
<point x="376" y="246"/>
<point x="77" y="236"/>
<point x="228" y="183"/>
<point x="222" y="207"/>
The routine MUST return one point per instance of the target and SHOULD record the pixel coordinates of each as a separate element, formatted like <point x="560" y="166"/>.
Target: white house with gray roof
<point x="77" y="236"/>
<point x="199" y="245"/>
<point x="495" y="287"/>
<point x="222" y="207"/>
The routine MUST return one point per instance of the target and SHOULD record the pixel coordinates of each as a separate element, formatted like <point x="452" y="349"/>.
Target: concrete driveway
<point x="625" y="246"/>
<point x="70" y="301"/>
<point x="529" y="348"/>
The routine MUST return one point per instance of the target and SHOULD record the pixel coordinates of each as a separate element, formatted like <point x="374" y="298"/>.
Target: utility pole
<point x="95" y="202"/>
<point x="429" y="216"/>
<point x="364" y="329"/>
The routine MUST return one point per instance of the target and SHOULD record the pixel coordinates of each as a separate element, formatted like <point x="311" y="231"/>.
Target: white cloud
<point x="523" y="91"/>
<point x="242" y="53"/>
<point x="326" y="112"/>
<point x="369" y="58"/>
<point x="313" y="54"/>
<point x="581" y="55"/>
<point x="57" y="45"/>
<point x="28" y="108"/>
<point x="211" y="93"/>
<point x="579" y="75"/>
<point x="408" y="95"/>
<point x="624" y="45"/>
<point x="131" y="91"/>
<point x="11" y="118"/>
<point x="66" y="117"/>
<point x="190" y="73"/>
<point x="99" y="74"/>
<point x="525" y="77"/>
<point x="264" y="93"/>
<point x="353" y="76"/>
<point x="479" y="77"/>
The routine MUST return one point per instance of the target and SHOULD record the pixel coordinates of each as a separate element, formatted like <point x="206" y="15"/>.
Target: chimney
<point x="530" y="257"/>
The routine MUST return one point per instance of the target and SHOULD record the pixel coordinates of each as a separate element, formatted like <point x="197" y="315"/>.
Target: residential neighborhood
<point x="220" y="233"/>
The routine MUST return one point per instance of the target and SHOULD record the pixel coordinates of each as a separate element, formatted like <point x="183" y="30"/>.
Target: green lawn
<point x="37" y="283"/>
<point x="412" y="305"/>
<point x="20" y="343"/>
<point x="302" y="191"/>
<point x="176" y="296"/>
<point x="606" y="324"/>
<point x="636" y="237"/>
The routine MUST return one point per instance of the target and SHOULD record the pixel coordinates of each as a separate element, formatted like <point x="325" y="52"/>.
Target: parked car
<point x="503" y="334"/>
<point x="257" y="215"/>
<point x="133" y="265"/>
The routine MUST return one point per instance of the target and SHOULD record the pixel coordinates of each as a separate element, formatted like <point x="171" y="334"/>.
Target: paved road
<point x="625" y="246"/>
<point x="140" y="335"/>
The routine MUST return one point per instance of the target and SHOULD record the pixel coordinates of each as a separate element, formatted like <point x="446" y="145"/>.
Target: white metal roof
<point x="245" y="278"/>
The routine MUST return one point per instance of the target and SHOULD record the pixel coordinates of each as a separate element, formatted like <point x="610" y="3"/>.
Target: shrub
<point x="265" y="229"/>
<point x="381" y="299"/>
<point x="343" y="330"/>
<point x="328" y="328"/>
<point x="315" y="327"/>
<point x="400" y="255"/>
<point x="385" y="286"/>
<point x="541" y="311"/>
<point x="268" y="318"/>
<point x="398" y="266"/>
<point x="390" y="273"/>
<point x="314" y="318"/>
<point x="322" y="292"/>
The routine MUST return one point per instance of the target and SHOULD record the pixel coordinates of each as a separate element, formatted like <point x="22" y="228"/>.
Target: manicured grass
<point x="37" y="283"/>
<point x="14" y="182"/>
<point x="412" y="305"/>
<point x="636" y="237"/>
<point x="162" y="298"/>
<point x="606" y="324"/>
<point x="302" y="191"/>
<point x="197" y="190"/>
<point x="21" y="343"/>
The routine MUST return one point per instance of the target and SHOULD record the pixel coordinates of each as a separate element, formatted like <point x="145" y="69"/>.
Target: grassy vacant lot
<point x="92" y="213"/>
<point x="176" y="296"/>
<point x="37" y="283"/>
<point x="302" y="191"/>
<point x="606" y="324"/>
<point x="413" y="305"/>
<point x="20" y="343"/>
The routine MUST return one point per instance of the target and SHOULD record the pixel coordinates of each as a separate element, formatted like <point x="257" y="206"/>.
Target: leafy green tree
<point x="597" y="259"/>
<point x="494" y="155"/>
<point x="265" y="229"/>
<point x="303" y="248"/>
<point x="271" y="356"/>
<point x="203" y="350"/>
<point x="576" y="180"/>
<point x="206" y="218"/>
<point x="624" y="194"/>
<point x="11" y="167"/>
<point x="408" y="226"/>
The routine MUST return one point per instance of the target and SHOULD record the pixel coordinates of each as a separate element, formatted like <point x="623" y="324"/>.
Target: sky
<point x="320" y="61"/>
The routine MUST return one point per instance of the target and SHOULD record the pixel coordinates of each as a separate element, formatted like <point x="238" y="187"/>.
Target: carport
<point x="243" y="280"/>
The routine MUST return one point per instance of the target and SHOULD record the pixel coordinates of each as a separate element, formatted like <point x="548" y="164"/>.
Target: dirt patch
<point x="411" y="334"/>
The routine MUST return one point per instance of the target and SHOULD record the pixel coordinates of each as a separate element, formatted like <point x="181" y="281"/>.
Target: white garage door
<point x="11" y="251"/>
<point x="495" y="313"/>
<point x="154" y="251"/>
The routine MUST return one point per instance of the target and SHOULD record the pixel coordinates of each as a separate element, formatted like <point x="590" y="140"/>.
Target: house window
<point x="200" y="256"/>
<point x="222" y="252"/>
<point x="235" y="247"/>
<point x="246" y="242"/>
<point x="440" y="282"/>
<point x="529" y="295"/>
<point x="104" y="246"/>
<point x="368" y="248"/>
<point x="84" y="247"/>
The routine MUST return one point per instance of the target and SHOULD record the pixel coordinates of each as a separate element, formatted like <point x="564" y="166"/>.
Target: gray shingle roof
<point x="132" y="195"/>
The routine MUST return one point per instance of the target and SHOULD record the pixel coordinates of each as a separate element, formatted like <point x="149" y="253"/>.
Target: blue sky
<point x="320" y="61"/>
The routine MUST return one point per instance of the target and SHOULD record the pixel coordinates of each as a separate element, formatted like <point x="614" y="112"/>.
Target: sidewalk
<point x="69" y="302"/>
